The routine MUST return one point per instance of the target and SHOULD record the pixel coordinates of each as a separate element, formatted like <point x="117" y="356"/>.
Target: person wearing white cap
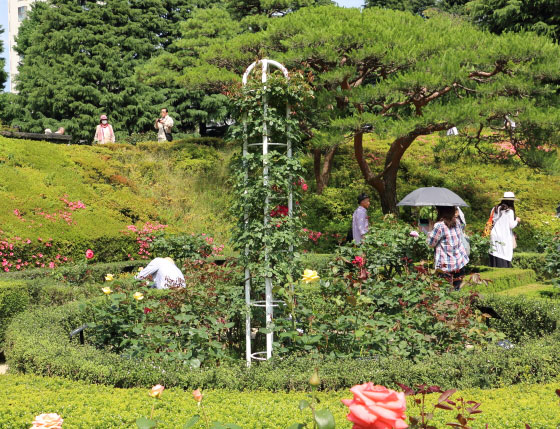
<point x="502" y="239"/>
<point x="104" y="132"/>
<point x="164" y="272"/>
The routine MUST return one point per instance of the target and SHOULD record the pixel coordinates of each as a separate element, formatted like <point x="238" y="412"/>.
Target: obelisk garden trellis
<point x="265" y="145"/>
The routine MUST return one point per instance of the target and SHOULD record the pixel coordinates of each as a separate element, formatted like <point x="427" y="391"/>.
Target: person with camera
<point x="164" y="124"/>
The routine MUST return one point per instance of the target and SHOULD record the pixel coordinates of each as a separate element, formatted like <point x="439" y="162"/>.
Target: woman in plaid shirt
<point x="451" y="256"/>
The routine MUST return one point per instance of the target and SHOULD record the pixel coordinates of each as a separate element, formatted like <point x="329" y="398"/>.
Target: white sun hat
<point x="509" y="196"/>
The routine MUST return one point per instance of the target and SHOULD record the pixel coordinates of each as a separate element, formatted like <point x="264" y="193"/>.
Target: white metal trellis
<point x="268" y="303"/>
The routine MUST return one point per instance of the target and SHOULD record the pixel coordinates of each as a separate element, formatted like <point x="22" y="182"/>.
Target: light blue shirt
<point x="360" y="224"/>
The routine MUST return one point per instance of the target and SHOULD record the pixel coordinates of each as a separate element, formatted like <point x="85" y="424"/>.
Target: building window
<point x="21" y="12"/>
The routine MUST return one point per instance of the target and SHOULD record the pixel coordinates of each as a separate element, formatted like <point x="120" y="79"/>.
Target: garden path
<point x="3" y="369"/>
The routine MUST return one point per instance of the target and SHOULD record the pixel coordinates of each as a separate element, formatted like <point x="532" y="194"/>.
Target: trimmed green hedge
<point x="37" y="342"/>
<point x="503" y="278"/>
<point x="530" y="261"/>
<point x="523" y="317"/>
<point x="99" y="407"/>
<point x="14" y="298"/>
<point x="95" y="272"/>
<point x="41" y="286"/>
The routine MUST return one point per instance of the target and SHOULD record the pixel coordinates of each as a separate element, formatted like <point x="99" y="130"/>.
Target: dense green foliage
<point x="418" y="6"/>
<point x="439" y="73"/>
<point x="3" y="74"/>
<point x="37" y="342"/>
<point x="501" y="16"/>
<point x="68" y="77"/>
<point x="101" y="407"/>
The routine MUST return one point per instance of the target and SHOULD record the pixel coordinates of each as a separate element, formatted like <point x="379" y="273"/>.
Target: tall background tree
<point x="418" y="6"/>
<point x="498" y="16"/>
<point x="3" y="74"/>
<point x="400" y="76"/>
<point x="196" y="90"/>
<point x="78" y="61"/>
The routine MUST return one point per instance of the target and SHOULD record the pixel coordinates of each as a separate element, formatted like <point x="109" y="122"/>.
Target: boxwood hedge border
<point x="37" y="342"/>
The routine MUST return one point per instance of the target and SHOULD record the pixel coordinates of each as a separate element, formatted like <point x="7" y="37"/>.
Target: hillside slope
<point x="80" y="193"/>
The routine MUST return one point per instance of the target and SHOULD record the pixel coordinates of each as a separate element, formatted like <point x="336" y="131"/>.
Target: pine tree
<point x="400" y="76"/>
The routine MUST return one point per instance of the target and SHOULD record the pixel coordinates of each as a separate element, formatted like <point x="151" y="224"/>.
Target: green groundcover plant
<point x="83" y="405"/>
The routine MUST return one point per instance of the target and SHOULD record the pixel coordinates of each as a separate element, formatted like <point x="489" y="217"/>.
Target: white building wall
<point x="17" y="10"/>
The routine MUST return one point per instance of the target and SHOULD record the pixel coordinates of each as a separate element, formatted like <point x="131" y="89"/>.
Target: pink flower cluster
<point x="216" y="249"/>
<point x="13" y="253"/>
<point x="314" y="236"/>
<point x="73" y="205"/>
<point x="144" y="237"/>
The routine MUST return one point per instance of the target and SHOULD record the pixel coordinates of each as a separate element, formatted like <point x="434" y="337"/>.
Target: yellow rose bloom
<point x="138" y="296"/>
<point x="109" y="277"/>
<point x="156" y="391"/>
<point x="310" y="276"/>
<point x="107" y="290"/>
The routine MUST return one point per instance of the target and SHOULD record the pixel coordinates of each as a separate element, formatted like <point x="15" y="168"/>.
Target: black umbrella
<point x="432" y="196"/>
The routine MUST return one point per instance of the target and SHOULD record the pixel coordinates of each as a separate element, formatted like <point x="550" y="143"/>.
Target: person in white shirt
<point x="502" y="240"/>
<point x="164" y="272"/>
<point x="360" y="221"/>
<point x="164" y="124"/>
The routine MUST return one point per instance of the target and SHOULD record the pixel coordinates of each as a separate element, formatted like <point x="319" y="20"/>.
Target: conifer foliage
<point x="401" y="76"/>
<point x="3" y="74"/>
<point x="78" y="60"/>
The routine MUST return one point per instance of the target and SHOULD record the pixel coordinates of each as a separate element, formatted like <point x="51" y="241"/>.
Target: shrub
<point x="531" y="261"/>
<point x="14" y="298"/>
<point x="75" y="273"/>
<point x="37" y="342"/>
<point x="498" y="279"/>
<point x="520" y="317"/>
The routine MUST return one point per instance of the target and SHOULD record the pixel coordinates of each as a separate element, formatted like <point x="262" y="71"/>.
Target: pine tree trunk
<point x="322" y="167"/>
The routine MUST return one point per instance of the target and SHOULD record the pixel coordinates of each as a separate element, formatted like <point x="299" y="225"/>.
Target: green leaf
<point x="324" y="419"/>
<point x="192" y="421"/>
<point x="297" y="426"/>
<point x="303" y="404"/>
<point x="144" y="423"/>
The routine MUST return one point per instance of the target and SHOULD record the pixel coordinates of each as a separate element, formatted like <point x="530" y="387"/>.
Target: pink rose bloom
<point x="50" y="421"/>
<point x="414" y="234"/>
<point x="304" y="187"/>
<point x="376" y="407"/>
<point x="359" y="261"/>
<point x="89" y="254"/>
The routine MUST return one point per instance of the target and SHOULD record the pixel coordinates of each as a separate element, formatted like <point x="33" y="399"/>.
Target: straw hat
<point x="509" y="196"/>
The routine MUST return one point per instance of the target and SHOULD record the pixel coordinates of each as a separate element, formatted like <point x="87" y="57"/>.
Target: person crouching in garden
<point x="360" y="221"/>
<point x="104" y="131"/>
<point x="164" y="273"/>
<point x="450" y="254"/>
<point x="502" y="239"/>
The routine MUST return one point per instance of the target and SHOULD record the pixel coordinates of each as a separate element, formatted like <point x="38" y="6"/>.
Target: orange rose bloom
<point x="376" y="407"/>
<point x="197" y="395"/>
<point x="156" y="391"/>
<point x="50" y="421"/>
